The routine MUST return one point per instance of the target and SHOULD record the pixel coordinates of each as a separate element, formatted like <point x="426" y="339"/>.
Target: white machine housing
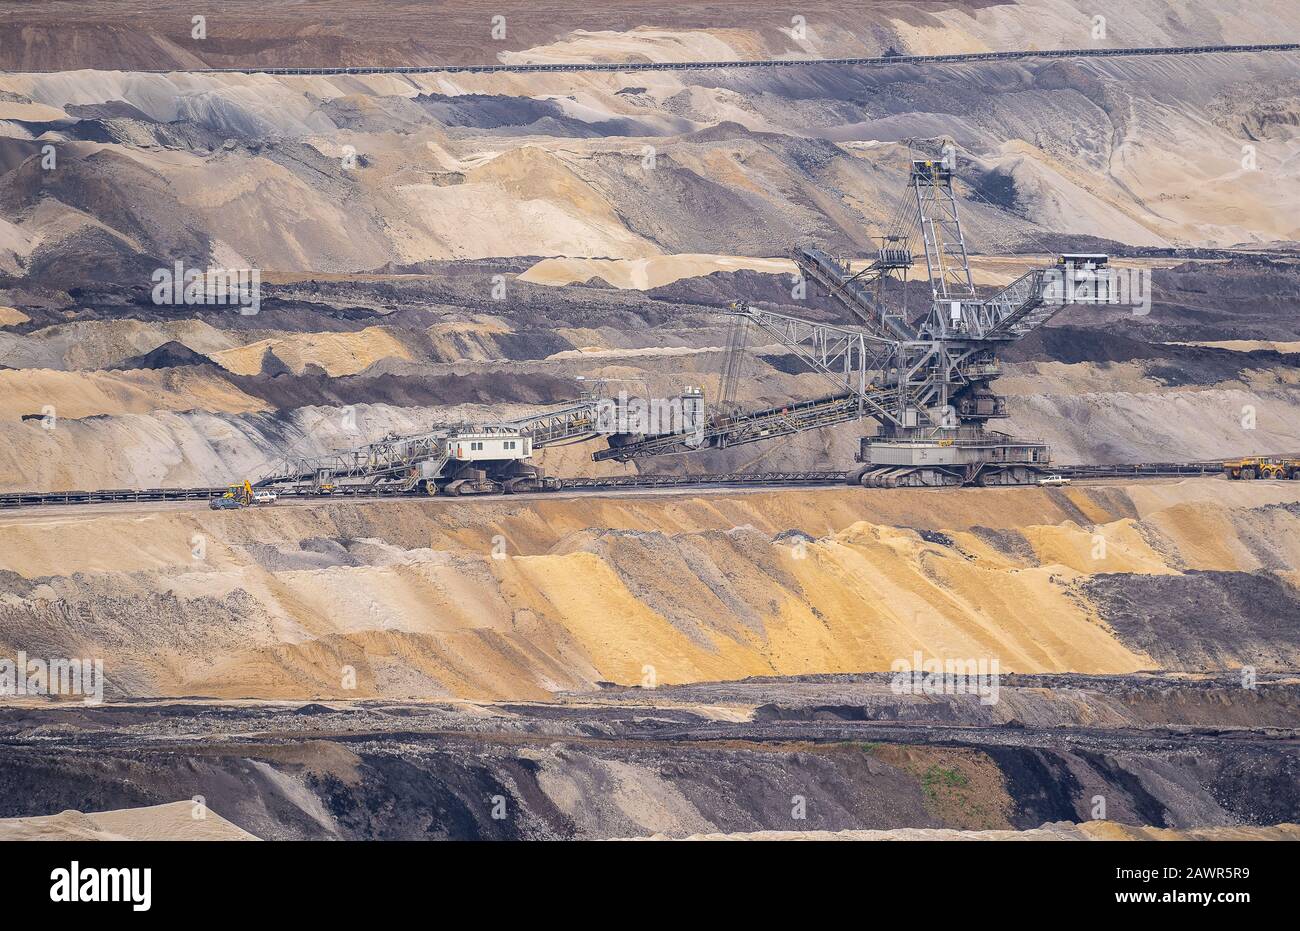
<point x="489" y="447"/>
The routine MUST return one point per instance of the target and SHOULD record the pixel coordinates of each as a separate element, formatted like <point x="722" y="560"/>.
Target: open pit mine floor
<point x="383" y="669"/>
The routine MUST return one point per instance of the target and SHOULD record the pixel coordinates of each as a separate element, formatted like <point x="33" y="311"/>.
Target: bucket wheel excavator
<point x="924" y="378"/>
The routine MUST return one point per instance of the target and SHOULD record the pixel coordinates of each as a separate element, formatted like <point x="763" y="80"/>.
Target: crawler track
<point x="18" y="499"/>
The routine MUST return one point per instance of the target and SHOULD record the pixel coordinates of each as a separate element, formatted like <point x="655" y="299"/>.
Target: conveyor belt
<point x="16" y="499"/>
<point x="628" y="66"/>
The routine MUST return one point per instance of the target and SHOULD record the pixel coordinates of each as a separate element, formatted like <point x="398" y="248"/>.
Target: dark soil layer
<point x="1203" y="619"/>
<point x="288" y="391"/>
<point x="170" y="354"/>
<point x="1175" y="753"/>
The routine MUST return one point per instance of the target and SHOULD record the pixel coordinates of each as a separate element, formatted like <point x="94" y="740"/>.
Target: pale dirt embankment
<point x="507" y="599"/>
<point x="141" y="391"/>
<point x="174" y="821"/>
<point x="336" y="353"/>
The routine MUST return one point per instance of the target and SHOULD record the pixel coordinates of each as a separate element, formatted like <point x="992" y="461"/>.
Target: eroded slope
<point x="518" y="599"/>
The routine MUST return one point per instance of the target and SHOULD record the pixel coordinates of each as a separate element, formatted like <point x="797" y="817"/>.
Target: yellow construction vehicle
<point x="243" y="494"/>
<point x="1253" y="467"/>
<point x="1272" y="469"/>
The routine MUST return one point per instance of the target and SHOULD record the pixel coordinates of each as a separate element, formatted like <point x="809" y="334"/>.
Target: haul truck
<point x="1253" y="467"/>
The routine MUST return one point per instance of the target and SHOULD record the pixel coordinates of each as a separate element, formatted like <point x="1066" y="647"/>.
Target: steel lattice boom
<point x="926" y="383"/>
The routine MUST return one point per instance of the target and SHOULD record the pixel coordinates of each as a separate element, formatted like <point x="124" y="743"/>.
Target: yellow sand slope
<point x="511" y="598"/>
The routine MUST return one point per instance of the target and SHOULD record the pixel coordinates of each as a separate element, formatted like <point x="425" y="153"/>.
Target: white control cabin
<point x="489" y="447"/>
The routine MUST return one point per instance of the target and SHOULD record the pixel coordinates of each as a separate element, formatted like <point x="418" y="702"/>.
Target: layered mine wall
<point x="512" y="599"/>
<point x="1159" y="751"/>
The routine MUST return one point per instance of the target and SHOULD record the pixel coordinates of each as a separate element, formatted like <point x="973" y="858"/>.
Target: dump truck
<point x="1253" y="467"/>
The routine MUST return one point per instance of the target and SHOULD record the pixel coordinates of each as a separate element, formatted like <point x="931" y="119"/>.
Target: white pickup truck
<point x="1053" y="480"/>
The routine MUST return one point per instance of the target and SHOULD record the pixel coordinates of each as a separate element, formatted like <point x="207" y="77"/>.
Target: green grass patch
<point x="936" y="778"/>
